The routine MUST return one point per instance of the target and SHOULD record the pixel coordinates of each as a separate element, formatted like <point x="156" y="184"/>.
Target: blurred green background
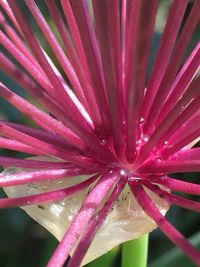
<point x="25" y="243"/>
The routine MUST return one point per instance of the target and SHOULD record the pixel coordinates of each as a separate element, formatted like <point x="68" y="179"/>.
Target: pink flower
<point x="106" y="119"/>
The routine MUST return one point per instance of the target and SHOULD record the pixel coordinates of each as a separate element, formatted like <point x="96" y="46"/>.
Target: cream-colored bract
<point x="125" y="222"/>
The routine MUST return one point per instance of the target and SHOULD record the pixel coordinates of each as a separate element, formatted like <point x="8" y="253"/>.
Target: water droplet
<point x="141" y="120"/>
<point x="184" y="126"/>
<point x="166" y="144"/>
<point x="145" y="138"/>
<point x="63" y="203"/>
<point x="182" y="108"/>
<point x="70" y="217"/>
<point x="102" y="134"/>
<point x="122" y="172"/>
<point x="103" y="142"/>
<point x="139" y="141"/>
<point x="158" y="159"/>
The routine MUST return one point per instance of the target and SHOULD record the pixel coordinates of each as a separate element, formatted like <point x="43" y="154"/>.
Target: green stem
<point x="135" y="252"/>
<point x="108" y="260"/>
